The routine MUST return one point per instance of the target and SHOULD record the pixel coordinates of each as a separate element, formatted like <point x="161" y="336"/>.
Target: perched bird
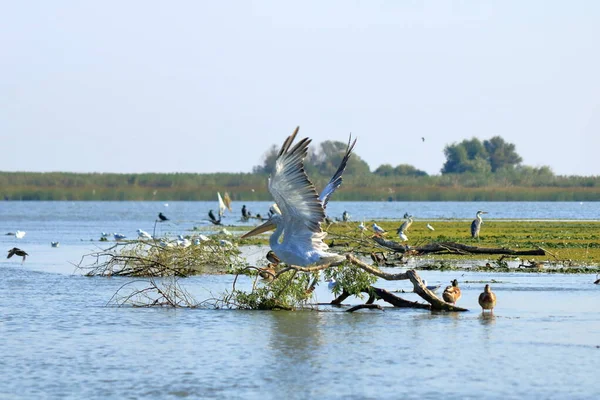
<point x="405" y="225"/>
<point x="20" y="234"/>
<point x="362" y="226"/>
<point x="143" y="234"/>
<point x="183" y="242"/>
<point x="106" y="234"/>
<point x="162" y="217"/>
<point x="302" y="209"/>
<point x="214" y="219"/>
<point x="225" y="243"/>
<point x="246" y="214"/>
<point x="225" y="232"/>
<point x="403" y="236"/>
<point x="476" y="224"/>
<point x="164" y="243"/>
<point x="18" y="252"/>
<point x="430" y="227"/>
<point x="54" y="244"/>
<point x="331" y="284"/>
<point x="345" y="216"/>
<point x="433" y="288"/>
<point x="452" y="293"/>
<point x="487" y="299"/>
<point x="119" y="236"/>
<point x="378" y="230"/>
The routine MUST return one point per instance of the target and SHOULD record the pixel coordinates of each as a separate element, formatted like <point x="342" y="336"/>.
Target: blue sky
<point x="199" y="86"/>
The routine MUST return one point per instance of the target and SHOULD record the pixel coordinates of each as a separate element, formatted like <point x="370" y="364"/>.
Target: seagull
<point x="430" y="227"/>
<point x="54" y="244"/>
<point x="183" y="242"/>
<point x="162" y="217"/>
<point x="18" y="252"/>
<point x="164" y="243"/>
<point x="119" y="236"/>
<point x="225" y="232"/>
<point x="20" y="234"/>
<point x="225" y="243"/>
<point x="302" y="209"/>
<point x="331" y="284"/>
<point x="214" y="219"/>
<point x="378" y="230"/>
<point x="201" y="238"/>
<point x="143" y="234"/>
<point x="403" y="236"/>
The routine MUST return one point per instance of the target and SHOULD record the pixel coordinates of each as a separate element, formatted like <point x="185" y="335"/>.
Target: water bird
<point x="345" y="216"/>
<point x="487" y="299"/>
<point x="106" y="234"/>
<point x="225" y="243"/>
<point x="476" y="224"/>
<point x="362" y="226"/>
<point x="227" y="201"/>
<point x="225" y="232"/>
<point x="302" y="210"/>
<point x="213" y="219"/>
<point x="164" y="243"/>
<point x="201" y="238"/>
<point x="162" y="217"/>
<point x="18" y="252"/>
<point x="331" y="284"/>
<point x="143" y="234"/>
<point x="183" y="242"/>
<point x="20" y="234"/>
<point x="406" y="224"/>
<point x="378" y="230"/>
<point x="430" y="227"/>
<point x="119" y="236"/>
<point x="246" y="214"/>
<point x="597" y="281"/>
<point x="433" y="288"/>
<point x="54" y="244"/>
<point x="403" y="236"/>
<point x="222" y="206"/>
<point x="272" y="257"/>
<point x="452" y="293"/>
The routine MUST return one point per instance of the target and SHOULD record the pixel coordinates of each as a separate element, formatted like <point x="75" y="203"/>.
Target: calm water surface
<point x="59" y="340"/>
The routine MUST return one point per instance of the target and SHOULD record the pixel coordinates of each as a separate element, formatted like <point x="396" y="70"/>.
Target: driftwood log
<point x="435" y="303"/>
<point x="454" y="248"/>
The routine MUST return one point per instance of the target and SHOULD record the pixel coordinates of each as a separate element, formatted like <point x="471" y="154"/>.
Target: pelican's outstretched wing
<point x="336" y="179"/>
<point x="291" y="189"/>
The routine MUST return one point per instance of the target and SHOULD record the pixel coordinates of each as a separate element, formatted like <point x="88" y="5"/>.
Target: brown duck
<point x="452" y="293"/>
<point x="487" y="299"/>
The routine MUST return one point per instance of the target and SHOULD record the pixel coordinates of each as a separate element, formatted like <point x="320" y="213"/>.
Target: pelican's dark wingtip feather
<point x="336" y="180"/>
<point x="288" y="141"/>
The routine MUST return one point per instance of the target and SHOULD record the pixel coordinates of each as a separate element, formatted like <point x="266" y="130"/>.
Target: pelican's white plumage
<point x="222" y="206"/>
<point x="302" y="210"/>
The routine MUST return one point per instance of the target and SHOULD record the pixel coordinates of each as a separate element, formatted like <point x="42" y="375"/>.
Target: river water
<point x="60" y="340"/>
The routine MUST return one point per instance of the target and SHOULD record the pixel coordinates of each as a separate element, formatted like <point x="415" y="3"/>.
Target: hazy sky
<point x="209" y="86"/>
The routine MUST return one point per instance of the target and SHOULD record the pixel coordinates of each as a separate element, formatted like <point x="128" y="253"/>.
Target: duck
<point x="452" y="293"/>
<point x="487" y="299"/>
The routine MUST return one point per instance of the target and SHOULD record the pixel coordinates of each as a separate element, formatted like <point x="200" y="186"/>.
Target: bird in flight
<point x="302" y="209"/>
<point x="15" y="251"/>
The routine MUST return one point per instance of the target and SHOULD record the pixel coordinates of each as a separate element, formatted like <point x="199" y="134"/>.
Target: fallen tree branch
<point x="454" y="248"/>
<point x="429" y="296"/>
<point x="361" y="306"/>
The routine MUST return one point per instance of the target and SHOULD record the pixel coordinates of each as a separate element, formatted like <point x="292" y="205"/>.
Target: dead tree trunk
<point x="454" y="248"/>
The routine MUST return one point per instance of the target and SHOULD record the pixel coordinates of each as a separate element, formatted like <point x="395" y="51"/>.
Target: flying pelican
<point x="162" y="217"/>
<point x="378" y="230"/>
<point x="487" y="299"/>
<point x="54" y="244"/>
<point x="406" y="224"/>
<point x="18" y="252"/>
<point x="143" y="234"/>
<point x="430" y="227"/>
<point x="214" y="219"/>
<point x="302" y="209"/>
<point x="222" y="206"/>
<point x="476" y="224"/>
<point x="20" y="234"/>
<point x="227" y="201"/>
<point x="452" y="293"/>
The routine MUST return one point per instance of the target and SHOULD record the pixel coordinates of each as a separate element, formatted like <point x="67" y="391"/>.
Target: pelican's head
<point x="268" y="225"/>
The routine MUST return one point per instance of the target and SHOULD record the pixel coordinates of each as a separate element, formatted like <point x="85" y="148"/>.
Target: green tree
<point x="268" y="164"/>
<point x="501" y="154"/>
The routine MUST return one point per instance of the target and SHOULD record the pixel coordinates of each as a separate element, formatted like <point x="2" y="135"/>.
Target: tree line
<point x="474" y="170"/>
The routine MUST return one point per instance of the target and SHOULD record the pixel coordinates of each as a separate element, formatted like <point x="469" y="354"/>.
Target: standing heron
<point x="302" y="209"/>
<point x="476" y="224"/>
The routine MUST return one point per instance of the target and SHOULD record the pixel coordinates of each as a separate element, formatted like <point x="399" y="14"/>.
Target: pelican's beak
<point x="267" y="226"/>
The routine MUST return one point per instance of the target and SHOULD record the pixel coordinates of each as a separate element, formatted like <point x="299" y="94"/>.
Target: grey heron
<point x="302" y="209"/>
<point x="476" y="224"/>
